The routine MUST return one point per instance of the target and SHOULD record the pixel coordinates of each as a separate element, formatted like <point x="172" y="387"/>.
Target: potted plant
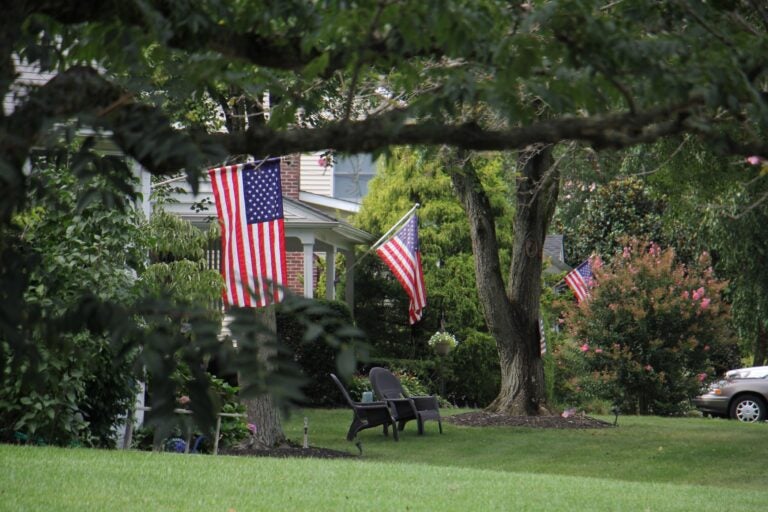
<point x="442" y="342"/>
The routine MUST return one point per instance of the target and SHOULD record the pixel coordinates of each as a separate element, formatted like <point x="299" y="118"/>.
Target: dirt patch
<point x="469" y="419"/>
<point x="489" y="419"/>
<point x="288" y="449"/>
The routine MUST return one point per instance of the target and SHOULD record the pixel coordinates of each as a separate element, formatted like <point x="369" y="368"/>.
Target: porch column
<point x="330" y="273"/>
<point x="309" y="269"/>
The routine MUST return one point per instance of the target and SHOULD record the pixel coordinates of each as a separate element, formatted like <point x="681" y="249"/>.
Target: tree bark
<point x="761" y="348"/>
<point x="512" y="315"/>
<point x="261" y="410"/>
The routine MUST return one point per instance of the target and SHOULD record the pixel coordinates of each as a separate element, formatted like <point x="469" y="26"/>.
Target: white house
<point x="315" y="224"/>
<point x="317" y="200"/>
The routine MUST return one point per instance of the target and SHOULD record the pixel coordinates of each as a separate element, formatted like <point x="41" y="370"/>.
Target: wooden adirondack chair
<point x="404" y="408"/>
<point x="366" y="415"/>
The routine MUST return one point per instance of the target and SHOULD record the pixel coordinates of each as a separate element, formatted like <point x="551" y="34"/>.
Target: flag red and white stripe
<point x="402" y="255"/>
<point x="249" y="203"/>
<point x="579" y="280"/>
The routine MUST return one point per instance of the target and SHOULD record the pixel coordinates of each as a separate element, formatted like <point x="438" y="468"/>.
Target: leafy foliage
<point x="416" y="175"/>
<point x="174" y="239"/>
<point x="473" y="376"/>
<point x="483" y="75"/>
<point x="620" y="209"/>
<point x="233" y="429"/>
<point x="315" y="358"/>
<point x="442" y="338"/>
<point x="734" y="225"/>
<point x="651" y="331"/>
<point x="64" y="384"/>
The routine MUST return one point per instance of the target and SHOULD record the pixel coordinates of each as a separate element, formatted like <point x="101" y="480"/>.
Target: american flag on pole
<point x="580" y="279"/>
<point x="402" y="255"/>
<point x="249" y="202"/>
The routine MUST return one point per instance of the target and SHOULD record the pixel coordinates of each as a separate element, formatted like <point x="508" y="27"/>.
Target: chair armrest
<point x="396" y="404"/>
<point x="371" y="405"/>
<point x="425" y="402"/>
<point x="397" y="400"/>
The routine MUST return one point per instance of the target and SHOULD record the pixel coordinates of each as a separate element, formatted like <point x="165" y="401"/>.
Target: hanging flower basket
<point x="442" y="342"/>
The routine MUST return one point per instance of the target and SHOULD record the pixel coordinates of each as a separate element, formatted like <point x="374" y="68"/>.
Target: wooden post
<point x="306" y="432"/>
<point x="128" y="439"/>
<point x="216" y="435"/>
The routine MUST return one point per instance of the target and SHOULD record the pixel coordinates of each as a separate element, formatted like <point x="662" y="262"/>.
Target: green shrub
<point x="573" y="385"/>
<point x="316" y="359"/>
<point x="74" y="394"/>
<point x="60" y="382"/>
<point x="110" y="391"/>
<point x="233" y="430"/>
<point x="651" y="331"/>
<point x="356" y="386"/>
<point x="473" y="374"/>
<point x="411" y="383"/>
<point x="425" y="370"/>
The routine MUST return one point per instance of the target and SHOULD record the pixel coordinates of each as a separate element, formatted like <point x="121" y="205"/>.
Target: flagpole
<point x="393" y="228"/>
<point x="184" y="176"/>
<point x="397" y="224"/>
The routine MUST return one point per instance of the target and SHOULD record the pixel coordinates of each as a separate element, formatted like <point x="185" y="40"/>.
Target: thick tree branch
<point x="604" y="131"/>
<point x="138" y="128"/>
<point x="141" y="131"/>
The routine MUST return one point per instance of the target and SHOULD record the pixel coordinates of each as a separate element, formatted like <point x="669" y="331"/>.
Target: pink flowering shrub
<point x="650" y="330"/>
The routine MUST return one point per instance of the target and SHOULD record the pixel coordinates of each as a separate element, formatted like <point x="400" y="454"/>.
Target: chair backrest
<point x="343" y="390"/>
<point x="385" y="384"/>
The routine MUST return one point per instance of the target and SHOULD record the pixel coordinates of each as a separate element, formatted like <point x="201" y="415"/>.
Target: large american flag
<point x="402" y="255"/>
<point x="249" y="202"/>
<point x="580" y="279"/>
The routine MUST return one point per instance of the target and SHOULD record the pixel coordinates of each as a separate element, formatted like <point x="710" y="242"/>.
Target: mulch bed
<point x="489" y="419"/>
<point x="288" y="449"/>
<point x="469" y="419"/>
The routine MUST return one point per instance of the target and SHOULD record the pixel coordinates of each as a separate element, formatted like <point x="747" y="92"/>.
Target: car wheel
<point x="748" y="408"/>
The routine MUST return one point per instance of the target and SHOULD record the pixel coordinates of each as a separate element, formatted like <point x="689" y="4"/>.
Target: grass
<point x="645" y="464"/>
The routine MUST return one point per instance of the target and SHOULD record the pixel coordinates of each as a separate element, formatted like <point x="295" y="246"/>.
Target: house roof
<point x="299" y="214"/>
<point x="554" y="250"/>
<point x="329" y="203"/>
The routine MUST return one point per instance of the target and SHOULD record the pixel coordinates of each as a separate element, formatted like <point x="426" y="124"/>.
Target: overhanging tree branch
<point x="394" y="128"/>
<point x="136" y="128"/>
<point x="141" y="131"/>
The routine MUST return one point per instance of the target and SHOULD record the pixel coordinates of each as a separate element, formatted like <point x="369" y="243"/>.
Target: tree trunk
<point x="512" y="315"/>
<point x="242" y="112"/>
<point x="260" y="410"/>
<point x="761" y="348"/>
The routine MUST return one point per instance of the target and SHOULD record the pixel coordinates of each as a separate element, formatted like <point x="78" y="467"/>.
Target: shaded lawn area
<point x="698" y="451"/>
<point x="645" y="464"/>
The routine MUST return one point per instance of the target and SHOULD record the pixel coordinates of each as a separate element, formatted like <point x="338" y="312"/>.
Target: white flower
<point x="443" y="337"/>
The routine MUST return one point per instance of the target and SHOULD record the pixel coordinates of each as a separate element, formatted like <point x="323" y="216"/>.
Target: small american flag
<point x="580" y="279"/>
<point x="402" y="255"/>
<point x="249" y="202"/>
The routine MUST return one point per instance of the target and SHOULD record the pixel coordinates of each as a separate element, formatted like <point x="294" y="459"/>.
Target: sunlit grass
<point x="644" y="464"/>
<point x="666" y="450"/>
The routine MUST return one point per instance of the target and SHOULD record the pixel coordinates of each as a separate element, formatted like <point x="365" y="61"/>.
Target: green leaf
<point x="316" y="66"/>
<point x="346" y="362"/>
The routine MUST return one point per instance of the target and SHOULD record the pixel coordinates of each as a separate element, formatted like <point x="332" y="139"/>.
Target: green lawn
<point x="645" y="464"/>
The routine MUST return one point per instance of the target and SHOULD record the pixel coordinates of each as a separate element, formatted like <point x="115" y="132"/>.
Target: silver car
<point x="741" y="395"/>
